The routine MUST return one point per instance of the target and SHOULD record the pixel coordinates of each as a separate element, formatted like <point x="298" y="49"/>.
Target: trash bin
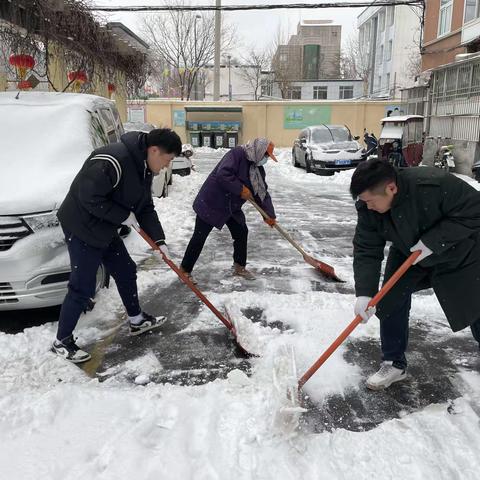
<point x="232" y="139"/>
<point x="207" y="139"/>
<point x="195" y="139"/>
<point x="219" y="139"/>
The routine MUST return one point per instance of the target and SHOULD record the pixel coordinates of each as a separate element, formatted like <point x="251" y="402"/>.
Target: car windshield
<point x="330" y="134"/>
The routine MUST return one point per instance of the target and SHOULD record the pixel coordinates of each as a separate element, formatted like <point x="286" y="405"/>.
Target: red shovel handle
<point x="373" y="302"/>
<point x="187" y="281"/>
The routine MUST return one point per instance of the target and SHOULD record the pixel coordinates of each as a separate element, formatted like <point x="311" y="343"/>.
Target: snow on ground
<point x="57" y="423"/>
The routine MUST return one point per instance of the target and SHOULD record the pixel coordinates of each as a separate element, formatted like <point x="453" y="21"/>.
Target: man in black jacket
<point x="415" y="209"/>
<point x="112" y="188"/>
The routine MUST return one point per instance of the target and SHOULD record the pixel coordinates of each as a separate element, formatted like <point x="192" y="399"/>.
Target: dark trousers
<point x="394" y="309"/>
<point x="84" y="261"/>
<point x="394" y="333"/>
<point x="238" y="231"/>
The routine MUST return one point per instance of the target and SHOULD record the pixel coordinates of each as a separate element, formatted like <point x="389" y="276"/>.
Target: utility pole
<point x="229" y="57"/>
<point x="216" y="67"/>
<point x="195" y="66"/>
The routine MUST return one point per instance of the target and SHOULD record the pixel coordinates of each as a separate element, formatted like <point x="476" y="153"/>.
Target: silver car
<point x="326" y="149"/>
<point x="45" y="138"/>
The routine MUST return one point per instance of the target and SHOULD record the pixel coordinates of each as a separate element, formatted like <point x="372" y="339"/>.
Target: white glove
<point x="361" y="308"/>
<point x="425" y="251"/>
<point x="162" y="250"/>
<point x="131" y="221"/>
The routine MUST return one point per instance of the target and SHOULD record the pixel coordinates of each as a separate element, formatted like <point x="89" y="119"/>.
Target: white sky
<point x="257" y="27"/>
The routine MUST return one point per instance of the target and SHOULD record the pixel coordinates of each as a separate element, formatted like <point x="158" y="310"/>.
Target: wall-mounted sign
<point x="179" y="118"/>
<point x="213" y="126"/>
<point x="302" y="116"/>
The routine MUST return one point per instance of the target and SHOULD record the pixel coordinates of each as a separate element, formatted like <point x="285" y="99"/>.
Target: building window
<point x="391" y="15"/>
<point x="294" y="93"/>
<point x="381" y="21"/>
<point x="445" y="17"/>
<point x="379" y="82"/>
<point x="388" y="81"/>
<point x="346" y="92"/>
<point x="283" y="57"/>
<point x="320" y="93"/>
<point x="380" y="54"/>
<point x="389" y="50"/>
<point x="471" y="10"/>
<point x="311" y="62"/>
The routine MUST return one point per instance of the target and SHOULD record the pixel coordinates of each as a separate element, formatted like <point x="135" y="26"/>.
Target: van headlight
<point x="42" y="220"/>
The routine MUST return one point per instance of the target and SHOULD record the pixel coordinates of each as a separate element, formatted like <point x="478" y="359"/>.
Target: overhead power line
<point x="160" y="8"/>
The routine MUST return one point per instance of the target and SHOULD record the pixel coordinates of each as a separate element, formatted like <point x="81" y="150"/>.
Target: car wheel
<point x="308" y="167"/>
<point x="188" y="171"/>
<point x="294" y="159"/>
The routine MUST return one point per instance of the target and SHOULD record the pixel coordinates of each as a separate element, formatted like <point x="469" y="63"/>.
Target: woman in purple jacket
<point x="238" y="177"/>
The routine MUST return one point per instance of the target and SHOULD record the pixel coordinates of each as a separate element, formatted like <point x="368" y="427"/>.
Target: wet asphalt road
<point x="319" y="215"/>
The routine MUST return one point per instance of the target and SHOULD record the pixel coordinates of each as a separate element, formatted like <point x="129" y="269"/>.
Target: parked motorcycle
<point x="444" y="159"/>
<point x="371" y="143"/>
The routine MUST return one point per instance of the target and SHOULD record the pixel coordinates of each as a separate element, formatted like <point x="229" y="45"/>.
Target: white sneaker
<point x="387" y="375"/>
<point x="68" y="349"/>
<point x="147" y="324"/>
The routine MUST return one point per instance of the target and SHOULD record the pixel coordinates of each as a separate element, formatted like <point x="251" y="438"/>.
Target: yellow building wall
<point x="266" y="119"/>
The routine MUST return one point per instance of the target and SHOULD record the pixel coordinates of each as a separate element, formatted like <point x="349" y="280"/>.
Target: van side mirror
<point x="356" y="137"/>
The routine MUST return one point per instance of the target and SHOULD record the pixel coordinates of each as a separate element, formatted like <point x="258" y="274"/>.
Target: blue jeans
<point x="84" y="262"/>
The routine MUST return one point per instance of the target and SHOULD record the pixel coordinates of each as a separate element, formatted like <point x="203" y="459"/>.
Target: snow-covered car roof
<point x="391" y="132"/>
<point x="52" y="98"/>
<point x="45" y="138"/>
<point x="400" y="118"/>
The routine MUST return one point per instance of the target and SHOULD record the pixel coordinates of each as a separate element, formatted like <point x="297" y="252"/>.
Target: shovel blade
<point x="234" y="332"/>
<point x="324" y="268"/>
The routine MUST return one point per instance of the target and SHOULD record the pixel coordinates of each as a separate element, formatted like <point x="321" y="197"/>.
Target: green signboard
<point x="302" y="116"/>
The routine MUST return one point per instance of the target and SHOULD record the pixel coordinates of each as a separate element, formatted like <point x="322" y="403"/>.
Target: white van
<point x="44" y="140"/>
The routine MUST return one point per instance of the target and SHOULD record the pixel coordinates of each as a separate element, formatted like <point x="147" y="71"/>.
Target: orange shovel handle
<point x="373" y="302"/>
<point x="187" y="281"/>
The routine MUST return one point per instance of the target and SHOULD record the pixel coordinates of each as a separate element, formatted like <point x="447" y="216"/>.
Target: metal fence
<point x="454" y="110"/>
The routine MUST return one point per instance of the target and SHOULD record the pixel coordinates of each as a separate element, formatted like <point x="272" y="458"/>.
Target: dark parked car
<point x="326" y="149"/>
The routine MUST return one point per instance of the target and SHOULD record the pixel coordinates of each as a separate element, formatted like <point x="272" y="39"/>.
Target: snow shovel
<point x="325" y="269"/>
<point x="227" y="322"/>
<point x="373" y="302"/>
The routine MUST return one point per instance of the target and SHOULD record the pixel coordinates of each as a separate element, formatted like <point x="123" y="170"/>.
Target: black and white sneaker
<point x="68" y="349"/>
<point x="147" y="324"/>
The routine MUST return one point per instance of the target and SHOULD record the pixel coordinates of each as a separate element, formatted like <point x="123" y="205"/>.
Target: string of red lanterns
<point x="22" y="64"/>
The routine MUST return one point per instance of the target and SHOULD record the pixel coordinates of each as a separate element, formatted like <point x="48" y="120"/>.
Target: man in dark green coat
<point x="422" y="209"/>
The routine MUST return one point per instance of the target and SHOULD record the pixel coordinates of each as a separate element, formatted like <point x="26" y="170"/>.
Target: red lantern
<point x="22" y="64"/>
<point x="78" y="78"/>
<point x="111" y="89"/>
<point x="24" y="85"/>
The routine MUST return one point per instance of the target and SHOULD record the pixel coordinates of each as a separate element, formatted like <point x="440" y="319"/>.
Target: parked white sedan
<point x="182" y="165"/>
<point x="326" y="149"/>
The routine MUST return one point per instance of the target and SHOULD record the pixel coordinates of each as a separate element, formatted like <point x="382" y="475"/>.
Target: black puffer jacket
<point x="114" y="181"/>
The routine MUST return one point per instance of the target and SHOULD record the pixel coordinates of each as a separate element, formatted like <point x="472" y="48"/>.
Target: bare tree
<point x="183" y="43"/>
<point x="280" y="63"/>
<point x="255" y="62"/>
<point x="355" y="61"/>
<point x="413" y="68"/>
